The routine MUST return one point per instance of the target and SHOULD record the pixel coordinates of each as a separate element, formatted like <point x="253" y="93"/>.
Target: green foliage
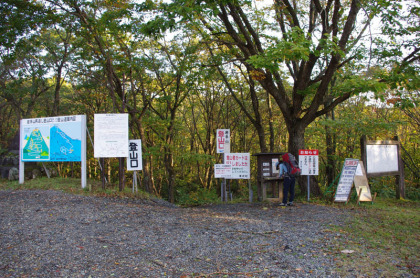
<point x="293" y="47"/>
<point x="194" y="195"/>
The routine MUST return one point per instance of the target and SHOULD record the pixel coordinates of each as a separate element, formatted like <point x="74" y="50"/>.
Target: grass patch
<point x="385" y="239"/>
<point x="73" y="186"/>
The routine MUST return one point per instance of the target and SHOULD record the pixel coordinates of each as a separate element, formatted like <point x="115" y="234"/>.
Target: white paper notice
<point x="111" y="135"/>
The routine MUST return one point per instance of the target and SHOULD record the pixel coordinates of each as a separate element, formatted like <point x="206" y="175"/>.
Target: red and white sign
<point x="222" y="171"/>
<point x="223" y="141"/>
<point x="309" y="162"/>
<point x="240" y="165"/>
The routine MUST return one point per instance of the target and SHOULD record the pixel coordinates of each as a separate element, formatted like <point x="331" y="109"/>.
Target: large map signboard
<point x="52" y="139"/>
<point x="111" y="135"/>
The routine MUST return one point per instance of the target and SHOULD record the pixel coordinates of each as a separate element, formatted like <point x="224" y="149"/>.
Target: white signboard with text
<point x="382" y="158"/>
<point x="222" y="171"/>
<point x="309" y="162"/>
<point x="111" y="135"/>
<point x="134" y="159"/>
<point x="223" y="141"/>
<point x="240" y="165"/>
<point x="346" y="180"/>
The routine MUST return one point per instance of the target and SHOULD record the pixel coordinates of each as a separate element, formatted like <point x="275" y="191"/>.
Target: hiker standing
<point x="288" y="171"/>
<point x="288" y="184"/>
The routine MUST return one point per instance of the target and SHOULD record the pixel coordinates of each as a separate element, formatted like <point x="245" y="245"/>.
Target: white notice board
<point x="381" y="158"/>
<point x="111" y="135"/>
<point x="240" y="165"/>
<point x="346" y="180"/>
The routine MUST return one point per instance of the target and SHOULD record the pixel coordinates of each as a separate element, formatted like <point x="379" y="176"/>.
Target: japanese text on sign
<point x="308" y="162"/>
<point x="222" y="171"/>
<point x="240" y="165"/>
<point x="346" y="180"/>
<point x="134" y="160"/>
<point x="223" y="141"/>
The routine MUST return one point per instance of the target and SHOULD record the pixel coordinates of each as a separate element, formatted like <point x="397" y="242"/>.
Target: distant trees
<point x="281" y="75"/>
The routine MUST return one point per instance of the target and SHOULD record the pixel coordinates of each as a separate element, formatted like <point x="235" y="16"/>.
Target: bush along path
<point x="54" y="234"/>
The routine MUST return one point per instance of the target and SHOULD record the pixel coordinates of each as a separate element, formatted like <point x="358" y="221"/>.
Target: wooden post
<point x="102" y="165"/>
<point x="399" y="180"/>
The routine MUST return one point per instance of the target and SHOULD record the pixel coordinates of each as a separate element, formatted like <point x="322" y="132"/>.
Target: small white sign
<point x="134" y="159"/>
<point x="308" y="162"/>
<point x="240" y="165"/>
<point x="222" y="171"/>
<point x="223" y="141"/>
<point x="274" y="169"/>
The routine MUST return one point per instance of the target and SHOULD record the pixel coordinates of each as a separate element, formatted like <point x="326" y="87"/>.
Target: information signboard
<point x="134" y="159"/>
<point x="382" y="158"/>
<point x="111" y="135"/>
<point x="223" y="141"/>
<point x="346" y="180"/>
<point x="222" y="171"/>
<point x="61" y="139"/>
<point x="52" y="138"/>
<point x="240" y="165"/>
<point x="308" y="162"/>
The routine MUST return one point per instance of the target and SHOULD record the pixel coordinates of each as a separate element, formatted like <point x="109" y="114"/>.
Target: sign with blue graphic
<point x="52" y="139"/>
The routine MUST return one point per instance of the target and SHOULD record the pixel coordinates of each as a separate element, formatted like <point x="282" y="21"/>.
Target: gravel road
<point x="54" y="234"/>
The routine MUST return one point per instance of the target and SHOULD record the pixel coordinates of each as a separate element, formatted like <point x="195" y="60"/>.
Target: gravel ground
<point x="53" y="234"/>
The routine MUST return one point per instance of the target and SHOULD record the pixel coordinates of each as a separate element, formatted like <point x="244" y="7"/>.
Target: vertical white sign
<point x="309" y="162"/>
<point x="223" y="141"/>
<point x="240" y="165"/>
<point x="134" y="159"/>
<point x="111" y="135"/>
<point x="346" y="180"/>
<point x="274" y="169"/>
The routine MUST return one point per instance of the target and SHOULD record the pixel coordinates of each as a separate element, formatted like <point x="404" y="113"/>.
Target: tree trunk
<point x="330" y="142"/>
<point x="169" y="165"/>
<point x="297" y="142"/>
<point x="270" y="122"/>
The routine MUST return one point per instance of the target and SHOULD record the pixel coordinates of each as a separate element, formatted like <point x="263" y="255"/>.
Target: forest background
<point x="282" y="76"/>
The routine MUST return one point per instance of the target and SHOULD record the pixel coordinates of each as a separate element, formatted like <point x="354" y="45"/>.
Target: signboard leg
<point x="134" y="180"/>
<point x="21" y="172"/>
<point x="309" y="188"/>
<point x="250" y="191"/>
<point x="21" y="163"/>
<point x="223" y="191"/>
<point x="83" y="172"/>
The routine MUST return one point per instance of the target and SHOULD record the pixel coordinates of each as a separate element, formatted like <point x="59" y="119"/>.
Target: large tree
<point x="305" y="44"/>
